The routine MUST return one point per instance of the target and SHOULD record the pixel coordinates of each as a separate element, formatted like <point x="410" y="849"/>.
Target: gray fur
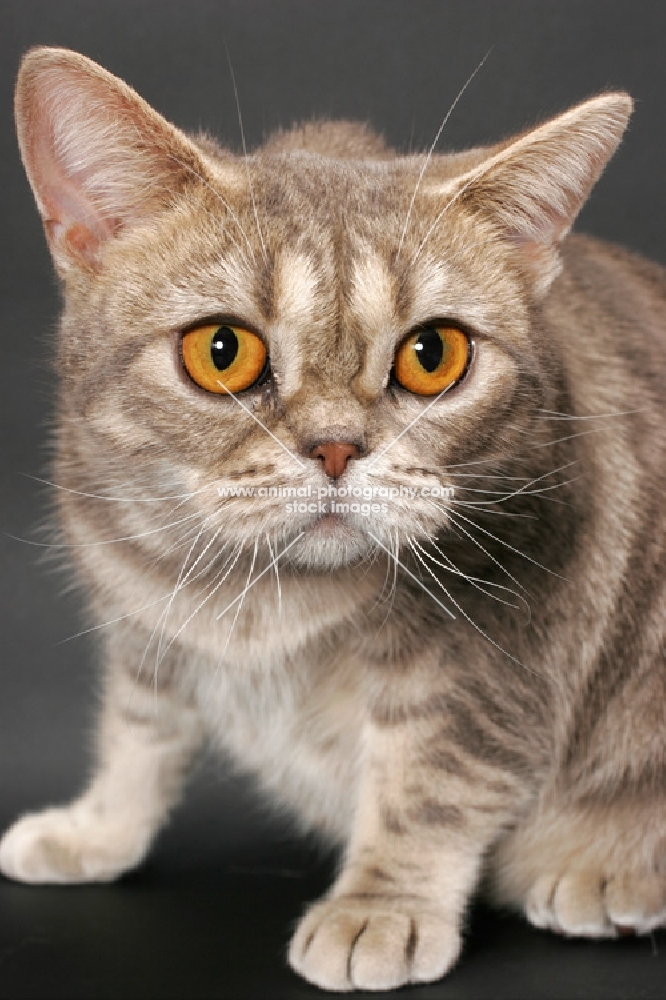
<point x="515" y="740"/>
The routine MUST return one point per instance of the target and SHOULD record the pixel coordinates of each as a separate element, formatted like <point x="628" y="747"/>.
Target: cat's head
<point x="372" y="314"/>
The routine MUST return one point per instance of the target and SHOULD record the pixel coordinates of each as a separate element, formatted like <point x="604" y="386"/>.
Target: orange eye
<point x="228" y="354"/>
<point x="432" y="359"/>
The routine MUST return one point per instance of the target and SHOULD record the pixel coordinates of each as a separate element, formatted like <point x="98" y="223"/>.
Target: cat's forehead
<point x="332" y="227"/>
<point x="353" y="231"/>
<point x="342" y="196"/>
<point x="308" y="248"/>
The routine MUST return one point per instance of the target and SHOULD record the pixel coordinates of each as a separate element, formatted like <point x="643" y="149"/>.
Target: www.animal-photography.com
<point x="332" y="522"/>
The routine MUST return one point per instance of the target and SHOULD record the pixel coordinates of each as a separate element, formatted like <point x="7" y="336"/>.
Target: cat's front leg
<point x="146" y="739"/>
<point x="425" y="818"/>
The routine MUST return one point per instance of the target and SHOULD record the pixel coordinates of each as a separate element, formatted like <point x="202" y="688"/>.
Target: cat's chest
<point x="296" y="724"/>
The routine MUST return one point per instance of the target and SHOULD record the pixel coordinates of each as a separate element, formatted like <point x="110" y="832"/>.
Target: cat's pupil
<point x="430" y="348"/>
<point x="223" y="347"/>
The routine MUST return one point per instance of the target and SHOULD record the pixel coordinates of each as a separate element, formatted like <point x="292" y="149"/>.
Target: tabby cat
<point x="360" y="460"/>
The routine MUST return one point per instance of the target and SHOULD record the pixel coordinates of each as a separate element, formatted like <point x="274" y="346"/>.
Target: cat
<point x="447" y="655"/>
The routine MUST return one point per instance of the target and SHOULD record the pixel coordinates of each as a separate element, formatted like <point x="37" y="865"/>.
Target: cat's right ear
<point x="98" y="157"/>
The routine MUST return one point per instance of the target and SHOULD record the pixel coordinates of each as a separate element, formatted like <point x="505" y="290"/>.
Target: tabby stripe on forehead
<point x="371" y="294"/>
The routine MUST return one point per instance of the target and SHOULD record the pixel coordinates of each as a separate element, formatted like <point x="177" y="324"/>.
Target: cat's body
<point x="415" y="712"/>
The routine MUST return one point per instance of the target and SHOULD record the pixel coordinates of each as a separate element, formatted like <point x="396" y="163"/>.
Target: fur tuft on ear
<point x="535" y="186"/>
<point x="96" y="155"/>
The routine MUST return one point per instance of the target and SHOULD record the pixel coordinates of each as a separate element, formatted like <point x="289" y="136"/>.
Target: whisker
<point x="262" y="425"/>
<point x="432" y="149"/>
<point x="234" y="556"/>
<point x="484" y="550"/>
<point x="277" y="573"/>
<point x="481" y="475"/>
<point x="263" y="572"/>
<point x="412" y="575"/>
<point x="240" y="606"/>
<point x="130" y="614"/>
<point x="501" y="541"/>
<point x="218" y="222"/>
<point x="392" y="558"/>
<point x="395" y="440"/>
<point x="112" y="621"/>
<point x="385" y="583"/>
<point x="219" y="197"/>
<point x="245" y="158"/>
<point x="538" y="479"/>
<point x="177" y="586"/>
<point x="522" y="492"/>
<point x="480" y="630"/>
<point x="568" y="437"/>
<point x="475" y="176"/>
<point x="176" y="545"/>
<point x="151" y="637"/>
<point x="476" y="582"/>
<point x="478" y="505"/>
<point x="106" y="541"/>
<point x="101" y="496"/>
<point x="556" y="415"/>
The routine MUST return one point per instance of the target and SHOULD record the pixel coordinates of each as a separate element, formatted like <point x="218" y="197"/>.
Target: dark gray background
<point x="209" y="914"/>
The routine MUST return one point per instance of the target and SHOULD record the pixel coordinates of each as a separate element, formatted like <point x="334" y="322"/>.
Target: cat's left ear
<point x="98" y="158"/>
<point x="534" y="187"/>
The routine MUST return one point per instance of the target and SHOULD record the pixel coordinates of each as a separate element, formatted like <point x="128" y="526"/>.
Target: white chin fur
<point x="320" y="549"/>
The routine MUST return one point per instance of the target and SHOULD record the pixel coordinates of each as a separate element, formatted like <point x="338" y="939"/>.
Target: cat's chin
<point x="330" y="542"/>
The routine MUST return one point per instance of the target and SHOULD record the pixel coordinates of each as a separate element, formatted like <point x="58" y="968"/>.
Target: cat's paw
<point x="345" y="944"/>
<point x="68" y="845"/>
<point x="590" y="904"/>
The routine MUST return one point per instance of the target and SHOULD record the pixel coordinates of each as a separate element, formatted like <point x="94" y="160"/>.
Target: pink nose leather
<point x="334" y="455"/>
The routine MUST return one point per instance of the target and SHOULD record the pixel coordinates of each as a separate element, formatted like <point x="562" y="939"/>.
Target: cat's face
<point x="332" y="308"/>
<point x="338" y="269"/>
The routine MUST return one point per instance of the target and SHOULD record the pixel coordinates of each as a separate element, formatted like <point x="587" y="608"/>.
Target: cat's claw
<point x="345" y="944"/>
<point x="589" y="904"/>
<point x="68" y="845"/>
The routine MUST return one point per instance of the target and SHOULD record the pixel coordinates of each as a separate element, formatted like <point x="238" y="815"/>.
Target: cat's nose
<point x="334" y="456"/>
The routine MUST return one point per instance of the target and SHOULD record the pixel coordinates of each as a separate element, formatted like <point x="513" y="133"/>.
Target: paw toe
<point x="380" y="957"/>
<point x="578" y="906"/>
<point x="538" y="905"/>
<point x="321" y="948"/>
<point x="341" y="945"/>
<point x="436" y="949"/>
<point x="588" y="904"/>
<point x="636" y="904"/>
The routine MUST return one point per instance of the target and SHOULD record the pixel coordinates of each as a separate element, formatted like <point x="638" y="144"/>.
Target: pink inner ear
<point x="73" y="224"/>
<point x="76" y="240"/>
<point x="97" y="157"/>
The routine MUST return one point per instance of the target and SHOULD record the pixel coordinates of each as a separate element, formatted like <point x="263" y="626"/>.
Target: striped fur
<point x="462" y="693"/>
